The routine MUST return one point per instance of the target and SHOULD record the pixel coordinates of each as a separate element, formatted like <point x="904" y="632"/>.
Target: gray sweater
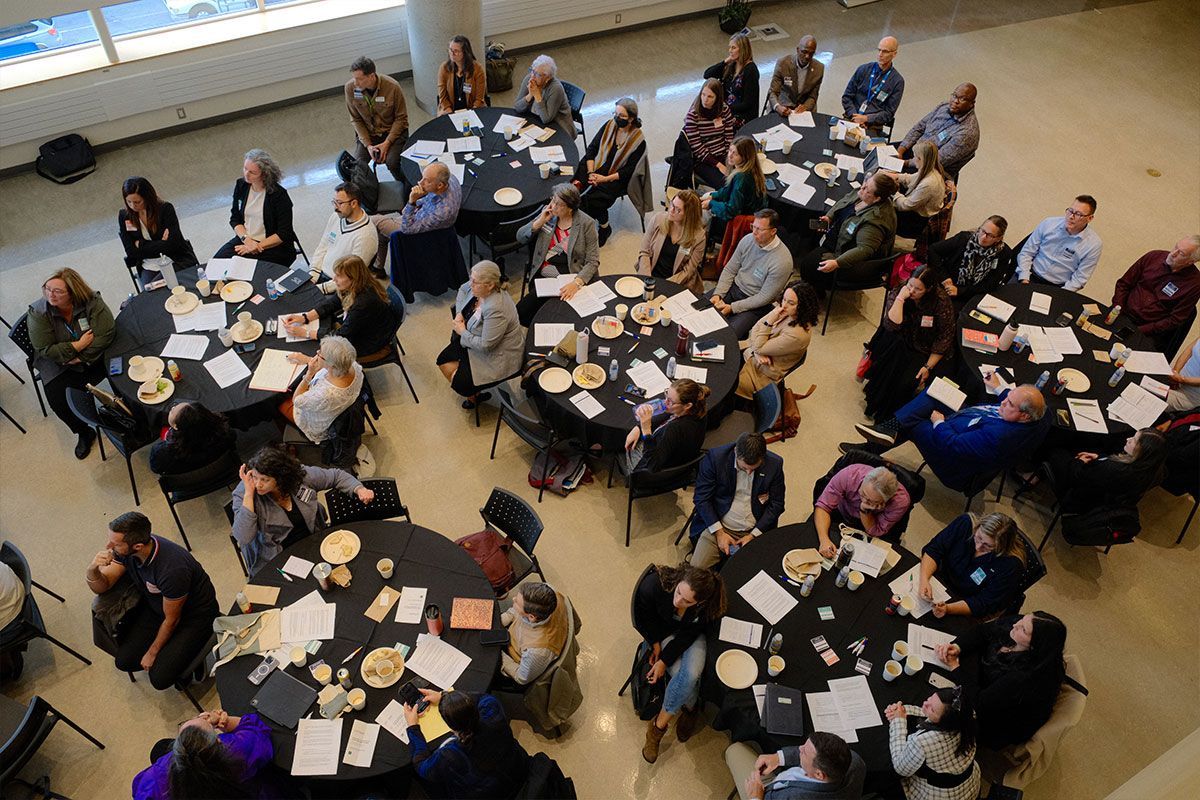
<point x="552" y="110"/>
<point x="760" y="273"/>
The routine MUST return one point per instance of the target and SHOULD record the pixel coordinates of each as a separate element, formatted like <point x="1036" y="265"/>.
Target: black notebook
<point x="783" y="711"/>
<point x="293" y="280"/>
<point x="283" y="699"/>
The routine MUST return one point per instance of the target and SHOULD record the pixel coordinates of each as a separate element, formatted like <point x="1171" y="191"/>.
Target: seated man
<point x="961" y="445"/>
<point x="379" y="115"/>
<point x="1161" y="290"/>
<point x="739" y="494"/>
<point x="873" y="94"/>
<point x="1062" y="251"/>
<point x="797" y="80"/>
<point x="952" y="126"/>
<point x="754" y="275"/>
<point x="348" y="232"/>
<point x="432" y="205"/>
<point x="12" y="601"/>
<point x="172" y="624"/>
<point x="864" y="497"/>
<point x="543" y="95"/>
<point x="537" y="629"/>
<point x="822" y="767"/>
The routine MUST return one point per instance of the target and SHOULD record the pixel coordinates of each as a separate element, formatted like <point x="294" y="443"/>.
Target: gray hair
<point x="487" y="272"/>
<point x="547" y="62"/>
<point x="1034" y="403"/>
<point x="339" y="355"/>
<point x="271" y="173"/>
<point x="631" y="108"/>
<point x="567" y="194"/>
<point x="440" y="172"/>
<point x="883" y="480"/>
<point x="1194" y="241"/>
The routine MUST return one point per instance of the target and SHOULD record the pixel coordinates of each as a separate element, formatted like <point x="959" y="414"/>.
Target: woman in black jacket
<point x="738" y="74"/>
<point x="149" y="228"/>
<point x="1020" y="672"/>
<point x="261" y="214"/>
<point x="196" y="437"/>
<point x="360" y="303"/>
<point x="669" y="433"/>
<point x="1085" y="480"/>
<point x="974" y="262"/>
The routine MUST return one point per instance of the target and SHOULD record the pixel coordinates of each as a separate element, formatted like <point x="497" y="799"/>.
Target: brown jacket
<point x="784" y="84"/>
<point x="687" y="264"/>
<point x="477" y="83"/>
<point x="385" y="117"/>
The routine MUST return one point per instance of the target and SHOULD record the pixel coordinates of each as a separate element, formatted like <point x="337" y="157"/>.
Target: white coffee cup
<point x="299" y="656"/>
<point x="665" y="318"/>
<point x="852" y="172"/>
<point x="178" y="290"/>
<point x="775" y="665"/>
<point x="833" y="132"/>
<point x="384" y="668"/>
<point x="544" y="170"/>
<point x="900" y="650"/>
<point x="385" y="566"/>
<point x="856" y="580"/>
<point x="508" y="133"/>
<point x="357" y="699"/>
<point x="204" y="287"/>
<point x="906" y="605"/>
<point x="226" y="337"/>
<point x="913" y="665"/>
<point x="622" y="310"/>
<point x="244" y="318"/>
<point x="136" y="362"/>
<point x="892" y="670"/>
<point x="323" y="674"/>
<point x="787" y="147"/>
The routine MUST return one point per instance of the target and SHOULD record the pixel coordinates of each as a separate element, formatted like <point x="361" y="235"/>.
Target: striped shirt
<point x="709" y="139"/>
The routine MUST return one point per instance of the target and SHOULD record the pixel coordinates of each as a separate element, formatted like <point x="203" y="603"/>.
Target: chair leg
<point x="78" y="729"/>
<point x="1188" y="521"/>
<point x="401" y="346"/>
<point x="37" y="391"/>
<point x="612" y="466"/>
<point x="9" y="416"/>
<point x="495" y="437"/>
<point x="131" y="678"/>
<point x="132" y="482"/>
<point x="100" y="442"/>
<point x="407" y="380"/>
<point x="477" y="413"/>
<point x="52" y="640"/>
<point x="828" y="307"/>
<point x="238" y="552"/>
<point x="967" y="505"/>
<point x="55" y="595"/>
<point x="1003" y="479"/>
<point x="371" y="424"/>
<point x="179" y="524"/>
<point x="624" y="686"/>
<point x="12" y="371"/>
<point x="628" y="516"/>
<point x="686" y="523"/>
<point x="187" y="690"/>
<point x="1049" y="528"/>
<point x="545" y="472"/>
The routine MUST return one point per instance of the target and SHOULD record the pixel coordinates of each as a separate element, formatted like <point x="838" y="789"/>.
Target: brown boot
<point x="654" y="735"/>
<point x="688" y="723"/>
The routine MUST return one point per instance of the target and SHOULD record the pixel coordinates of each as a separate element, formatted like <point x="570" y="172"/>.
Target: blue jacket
<point x="880" y="90"/>
<point x="717" y="482"/>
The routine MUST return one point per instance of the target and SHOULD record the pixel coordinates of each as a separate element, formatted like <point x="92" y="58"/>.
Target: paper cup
<point x="299" y="656"/>
<point x="323" y="674"/>
<point x="851" y="173"/>
<point x="665" y="319"/>
<point x="178" y="290"/>
<point x="856" y="580"/>
<point x="775" y="665"/>
<point x="508" y="133"/>
<point x="384" y="668"/>
<point x="900" y="650"/>
<point x="544" y="170"/>
<point x="225" y="336"/>
<point x="787" y="147"/>
<point x="906" y="605"/>
<point x="136" y="362"/>
<point x="357" y="699"/>
<point x="204" y="287"/>
<point x="913" y="665"/>
<point x="833" y="132"/>
<point x="385" y="566"/>
<point x="622" y="310"/>
<point x="892" y="670"/>
<point x="245" y="317"/>
<point x="321" y="572"/>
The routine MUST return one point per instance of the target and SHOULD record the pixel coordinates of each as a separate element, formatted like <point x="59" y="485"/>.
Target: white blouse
<point x="253" y="215"/>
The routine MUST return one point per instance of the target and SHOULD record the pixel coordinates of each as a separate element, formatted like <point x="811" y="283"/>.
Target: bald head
<point x="806" y="48"/>
<point x="435" y="177"/>
<point x="888" y="47"/>
<point x="963" y="99"/>
<point x="1023" y="404"/>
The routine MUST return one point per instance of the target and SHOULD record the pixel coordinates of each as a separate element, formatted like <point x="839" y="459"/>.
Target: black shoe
<point x="884" y="433"/>
<point x="605" y="232"/>
<point x="862" y="447"/>
<point x="84" y="445"/>
<point x="482" y="397"/>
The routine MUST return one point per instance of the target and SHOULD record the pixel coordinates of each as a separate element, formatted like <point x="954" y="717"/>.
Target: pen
<point x="239" y="308"/>
<point x="472" y="174"/>
<point x="352" y="655"/>
<point x="284" y="574"/>
<point x="630" y="350"/>
<point x="767" y="638"/>
<point x="624" y="399"/>
<point x="788" y="580"/>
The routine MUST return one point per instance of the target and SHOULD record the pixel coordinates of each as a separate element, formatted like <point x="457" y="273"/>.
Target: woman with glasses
<point x="608" y="164"/>
<point x="486" y="341"/>
<point x="978" y="560"/>
<point x="261" y="214"/>
<point x="149" y="228"/>
<point x="672" y="434"/>
<point x="738" y="75"/>
<point x="70" y="327"/>
<point x="673" y="246"/>
<point x="933" y="746"/>
<point x="973" y="262"/>
<point x="462" y="80"/>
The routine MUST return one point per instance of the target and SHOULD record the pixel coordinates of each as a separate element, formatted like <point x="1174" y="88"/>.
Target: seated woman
<point x="149" y="228"/>
<point x="669" y="433"/>
<point x="361" y="306"/>
<point x="779" y="340"/>
<point x="70" y="327"/>
<point x="673" y="246"/>
<point x="672" y="606"/>
<point x="213" y="755"/>
<point x="1020" y="672"/>
<point x="480" y="759"/>
<point x="608" y="163"/>
<point x="744" y="192"/>
<point x="1184" y="394"/>
<point x="972" y="262"/>
<point x="701" y="147"/>
<point x="916" y="334"/>
<point x="980" y="561"/>
<point x="862" y="226"/>
<point x="537" y="625"/>
<point x="261" y="214"/>
<point x="566" y="244"/>
<point x="195" y="438"/>
<point x="332" y="382"/>
<point x="933" y="746"/>
<point x="275" y="504"/>
<point x="1085" y="480"/>
<point x="921" y="193"/>
<point x="462" y="80"/>
<point x="486" y="343"/>
<point x="738" y="75"/>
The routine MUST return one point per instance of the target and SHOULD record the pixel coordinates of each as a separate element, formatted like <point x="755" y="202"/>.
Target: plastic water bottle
<point x="243" y="603"/>
<point x="1116" y="376"/>
<point x="167" y="267"/>
<point x="671" y="367"/>
<point x="581" y="347"/>
<point x="807" y="587"/>
<point x="272" y="292"/>
<point x="1043" y="379"/>
<point x="614" y="369"/>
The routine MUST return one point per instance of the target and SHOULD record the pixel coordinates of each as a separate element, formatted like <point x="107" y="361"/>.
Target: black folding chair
<point x="978" y="483"/>
<point x="33" y="725"/>
<point x="19" y="334"/>
<point x="196" y="672"/>
<point x="4" y="363"/>
<point x="878" y="271"/>
<point x="575" y="97"/>
<point x="516" y="520"/>
<point x="633" y="621"/>
<point x="29" y="623"/>
<point x="501" y="241"/>
<point x="642" y="484"/>
<point x="299" y="248"/>
<point x="83" y="405"/>
<point x="346" y="508"/>
<point x="1034" y="571"/>
<point x="534" y="433"/>
<point x="395" y="349"/>
<point x="913" y="483"/>
<point x="233" y="540"/>
<point x="184" y="486"/>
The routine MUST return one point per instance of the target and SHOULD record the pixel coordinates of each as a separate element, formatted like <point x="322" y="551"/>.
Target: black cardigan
<point x="946" y="257"/>
<point x="671" y="445"/>
<point x="138" y="248"/>
<point x="654" y="618"/>
<point x="744" y="108"/>
<point x="166" y="458"/>
<point x="277" y="211"/>
<point x="369" y="324"/>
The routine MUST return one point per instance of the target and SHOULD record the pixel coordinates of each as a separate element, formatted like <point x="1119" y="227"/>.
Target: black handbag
<point x="1102" y="526"/>
<point x="352" y="170"/>
<point x="65" y="159"/>
<point x="647" y="697"/>
<point x="115" y="418"/>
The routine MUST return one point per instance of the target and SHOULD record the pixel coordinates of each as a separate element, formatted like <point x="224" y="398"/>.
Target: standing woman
<point x="702" y="146"/>
<point x="261" y="214"/>
<point x="486" y="340"/>
<point x="779" y="340"/>
<point x="462" y="81"/>
<point x="921" y="193"/>
<point x="149" y="228"/>
<point x="673" y="246"/>
<point x="604" y="172"/>
<point x="738" y="75"/>
<point x="745" y="189"/>
<point x="934" y="751"/>
<point x="70" y="328"/>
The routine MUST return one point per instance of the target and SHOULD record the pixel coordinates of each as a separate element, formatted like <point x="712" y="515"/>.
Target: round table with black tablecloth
<point x="422" y="558"/>
<point x="145" y="325"/>
<point x="480" y="212"/>
<point x="610" y="427"/>
<point x="856" y="614"/>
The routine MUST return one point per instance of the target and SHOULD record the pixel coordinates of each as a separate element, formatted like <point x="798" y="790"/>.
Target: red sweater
<point x="1159" y="299"/>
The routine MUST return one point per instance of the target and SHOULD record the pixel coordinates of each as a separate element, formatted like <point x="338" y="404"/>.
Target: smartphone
<point x="493" y="638"/>
<point x="771" y="185"/>
<point x="633" y="390"/>
<point x="114" y="365"/>
<point x="818" y="224"/>
<point x="243" y="348"/>
<point x="412" y="697"/>
<point x="264" y="669"/>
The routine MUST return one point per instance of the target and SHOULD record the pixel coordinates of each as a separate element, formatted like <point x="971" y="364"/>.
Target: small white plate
<point x="367" y="668"/>
<point x="158" y="397"/>
<point x="1076" y="381"/>
<point x="825" y="170"/>
<point x="607" y="327"/>
<point x="236" y="292"/>
<point x="244" y="332"/>
<point x="181" y="303"/>
<point x="768" y="167"/>
<point x="588" y="376"/>
<point x="737" y="669"/>
<point x="334" y="547"/>
<point x="554" y="380"/>
<point x="507" y="196"/>
<point x="630" y="286"/>
<point x="152" y="367"/>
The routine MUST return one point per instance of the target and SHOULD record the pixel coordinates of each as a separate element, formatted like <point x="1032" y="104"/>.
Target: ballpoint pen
<point x="630" y="350"/>
<point x="284" y="574"/>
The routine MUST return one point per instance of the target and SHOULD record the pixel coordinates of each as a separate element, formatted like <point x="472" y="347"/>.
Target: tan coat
<point x="687" y="261"/>
<point x="477" y="82"/>
<point x="556" y="695"/>
<point x="784" y="343"/>
<point x="385" y="118"/>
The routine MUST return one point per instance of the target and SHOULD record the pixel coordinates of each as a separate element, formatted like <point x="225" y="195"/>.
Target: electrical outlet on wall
<point x="179" y="112"/>
<point x="617" y="21"/>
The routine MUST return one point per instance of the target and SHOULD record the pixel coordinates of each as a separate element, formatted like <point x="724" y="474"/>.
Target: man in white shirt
<point x="348" y="232"/>
<point x="1062" y="251"/>
<point x="822" y="767"/>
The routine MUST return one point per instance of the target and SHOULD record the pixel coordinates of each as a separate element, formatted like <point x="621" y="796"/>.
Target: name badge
<point x="787" y="81"/>
<point x="358" y="95"/>
<point x="763" y="498"/>
<point x="882" y="95"/>
<point x="132" y="228"/>
<point x="927" y="321"/>
<point x="973" y="422"/>
<point x="851" y="227"/>
<point x="306" y="493"/>
<point x="152" y="589"/>
<point x="718" y="122"/>
<point x="332" y="237"/>
<point x="941" y="136"/>
<point x="1170" y="289"/>
<point x="1070" y="251"/>
<point x="863" y="108"/>
<point x="466" y="88"/>
<point x="978" y="575"/>
<point x="685" y="251"/>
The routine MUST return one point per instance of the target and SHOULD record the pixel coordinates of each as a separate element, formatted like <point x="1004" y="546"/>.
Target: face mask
<point x="621" y="122"/>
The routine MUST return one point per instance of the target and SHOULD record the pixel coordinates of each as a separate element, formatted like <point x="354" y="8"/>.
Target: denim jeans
<point x="683" y="687"/>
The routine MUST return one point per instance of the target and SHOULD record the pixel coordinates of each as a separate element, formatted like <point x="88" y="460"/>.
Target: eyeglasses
<point x="1073" y="214"/>
<point x="882" y="50"/>
<point x="340" y="203"/>
<point x="56" y="292"/>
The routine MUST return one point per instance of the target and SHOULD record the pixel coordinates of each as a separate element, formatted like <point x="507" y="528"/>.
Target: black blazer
<point x="672" y="445"/>
<point x="946" y="257"/>
<point x="654" y="618"/>
<point x="138" y="248"/>
<point x="744" y="107"/>
<point x="277" y="211"/>
<point x="369" y="324"/>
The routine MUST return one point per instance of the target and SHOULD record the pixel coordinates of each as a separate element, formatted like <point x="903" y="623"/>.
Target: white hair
<point x="547" y="62"/>
<point x="487" y="272"/>
<point x="339" y="355"/>
<point x="883" y="480"/>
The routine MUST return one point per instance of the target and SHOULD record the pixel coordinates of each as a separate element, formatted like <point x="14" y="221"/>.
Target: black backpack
<point x="647" y="697"/>
<point x="66" y="159"/>
<point x="1102" y="526"/>
<point x="360" y="173"/>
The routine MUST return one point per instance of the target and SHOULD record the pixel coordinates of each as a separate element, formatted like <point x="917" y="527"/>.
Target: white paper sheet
<point x="360" y="748"/>
<point x="437" y="662"/>
<point x="589" y="406"/>
<point x="650" y="377"/>
<point x="318" y="742"/>
<point x="1039" y="302"/>
<point x="799" y="193"/>
<point x="545" y="155"/>
<point x="274" y="372"/>
<point x="227" y="369"/>
<point x="1003" y="384"/>
<point x="909" y="582"/>
<point x="868" y="559"/>
<point x="1086" y="415"/>
<point x="767" y="597"/>
<point x="995" y="307"/>
<point x="922" y="642"/>
<point x="470" y="116"/>
<point x="281" y="330"/>
<point x="679" y="305"/>
<point x="391" y="719"/>
<point x="182" y="345"/>
<point x="946" y="392"/>
<point x="548" y="334"/>
<point x="300" y="567"/>
<point x="827" y="715"/>
<point x="790" y="173"/>
<point x="1063" y="340"/>
<point x="845" y="162"/>
<point x="535" y="132"/>
<point x="549" y="287"/>
<point x="424" y="150"/>
<point x="241" y="269"/>
<point x="1147" y="362"/>
<point x="509" y="121"/>
<point x="760" y="696"/>
<point x="700" y="323"/>
<point x="891" y="162"/>
<point x="1137" y="407"/>
<point x="464" y="144"/>
<point x="586" y="301"/>
<point x="216" y="268"/>
<point x="697" y="374"/>
<point x="205" y="317"/>
<point x="458" y="171"/>
<point x="521" y="143"/>
<point x="1154" y="387"/>
<point x="737" y="631"/>
<point x="411" y="605"/>
<point x="855" y="701"/>
<point x="307" y="622"/>
<point x="1041" y="344"/>
<point x="802" y="120"/>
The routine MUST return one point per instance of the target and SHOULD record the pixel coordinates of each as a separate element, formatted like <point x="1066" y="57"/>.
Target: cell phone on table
<point x="115" y="365"/>
<point x="633" y="390"/>
<point x="264" y="669"/>
<point x="493" y="638"/>
<point x="244" y="348"/>
<point x="771" y="185"/>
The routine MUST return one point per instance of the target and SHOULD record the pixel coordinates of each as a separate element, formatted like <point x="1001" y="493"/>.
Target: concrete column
<point x="431" y="23"/>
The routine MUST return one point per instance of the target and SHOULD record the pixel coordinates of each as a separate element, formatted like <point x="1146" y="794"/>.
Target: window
<point x="48" y="33"/>
<point x="144" y="15"/>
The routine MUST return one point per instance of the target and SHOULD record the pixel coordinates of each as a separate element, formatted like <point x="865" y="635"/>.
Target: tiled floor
<point x="1074" y="97"/>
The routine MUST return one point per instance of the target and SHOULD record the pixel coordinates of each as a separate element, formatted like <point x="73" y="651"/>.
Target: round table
<point x="423" y="558"/>
<point x="480" y="212"/>
<point x="611" y="426"/>
<point x="856" y="614"/>
<point x="145" y="325"/>
<point x="1026" y="371"/>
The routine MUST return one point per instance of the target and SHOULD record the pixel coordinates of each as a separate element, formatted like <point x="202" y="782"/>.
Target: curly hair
<point x="275" y="463"/>
<point x="707" y="586"/>
<point x="808" y="305"/>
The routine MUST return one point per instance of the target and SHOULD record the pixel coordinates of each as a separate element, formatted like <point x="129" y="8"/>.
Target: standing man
<point x="432" y="205"/>
<point x="542" y="94"/>
<point x="348" y="232"/>
<point x="1161" y="290"/>
<point x="173" y="621"/>
<point x="1062" y="251"/>
<point x="797" y="80"/>
<point x="379" y="114"/>
<point x="755" y="274"/>
<point x="739" y="494"/>
<point x="873" y="94"/>
<point x="952" y="126"/>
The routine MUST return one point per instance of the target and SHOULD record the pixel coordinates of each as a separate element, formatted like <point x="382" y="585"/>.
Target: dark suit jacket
<point x="947" y="254"/>
<point x="369" y="325"/>
<point x="787" y="75"/>
<point x="277" y="211"/>
<point x="717" y="482"/>
<point x="850" y="787"/>
<point x="138" y="248"/>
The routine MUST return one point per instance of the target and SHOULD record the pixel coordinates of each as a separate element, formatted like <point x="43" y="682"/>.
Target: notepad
<point x="946" y="392"/>
<point x="274" y="372"/>
<point x="182" y="345"/>
<point x="589" y="406"/>
<point x="995" y="307"/>
<point x="737" y="631"/>
<point x="803" y="119"/>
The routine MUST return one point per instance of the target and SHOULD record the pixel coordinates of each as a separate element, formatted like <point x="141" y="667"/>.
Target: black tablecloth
<point x="609" y="428"/>
<point x="1061" y="300"/>
<point x="145" y="325"/>
<point x="422" y="558"/>
<point x="480" y="212"/>
<point x="856" y="614"/>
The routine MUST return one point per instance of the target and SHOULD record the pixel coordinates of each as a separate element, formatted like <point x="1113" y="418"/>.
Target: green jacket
<point x="51" y="336"/>
<point x="736" y="197"/>
<point x="866" y="234"/>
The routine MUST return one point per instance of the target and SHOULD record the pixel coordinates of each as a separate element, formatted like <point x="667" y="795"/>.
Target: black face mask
<point x="621" y="122"/>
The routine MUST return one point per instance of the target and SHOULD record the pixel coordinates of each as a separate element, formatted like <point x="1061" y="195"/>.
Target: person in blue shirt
<point x="1062" y="251"/>
<point x="873" y="94"/>
<point x="978" y="561"/>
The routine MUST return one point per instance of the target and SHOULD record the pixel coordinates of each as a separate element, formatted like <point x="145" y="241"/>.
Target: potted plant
<point x="734" y="15"/>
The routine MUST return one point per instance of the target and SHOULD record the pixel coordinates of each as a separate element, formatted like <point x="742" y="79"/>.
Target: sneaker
<point x="880" y="433"/>
<point x="84" y="445"/>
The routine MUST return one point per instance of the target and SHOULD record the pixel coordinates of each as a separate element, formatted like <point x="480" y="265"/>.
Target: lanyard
<point x="871" y="81"/>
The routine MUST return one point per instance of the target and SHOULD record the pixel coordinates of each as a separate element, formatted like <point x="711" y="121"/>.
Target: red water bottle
<point x="433" y="619"/>
<point x="681" y="342"/>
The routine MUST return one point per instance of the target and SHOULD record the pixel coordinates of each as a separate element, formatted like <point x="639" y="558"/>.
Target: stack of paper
<point x="204" y="317"/>
<point x="423" y="151"/>
<point x="508" y="121"/>
<point x="909" y="582"/>
<point x="1042" y="346"/>
<point x="697" y="374"/>
<point x="1063" y="340"/>
<point x="437" y="662"/>
<point x="185" y="346"/>
<point x="736" y="631"/>
<point x="548" y="334"/>
<point x="648" y="376"/>
<point x="1039" y="302"/>
<point x="590" y="300"/>
<point x="549" y="287"/>
<point x="802" y="120"/>
<point x="1148" y="362"/>
<point x="545" y="155"/>
<point x="1136" y="407"/>
<point x="227" y="369"/>
<point x="464" y="144"/>
<point x="868" y="559"/>
<point x="679" y="305"/>
<point x="767" y="597"/>
<point x="274" y="372"/>
<point x="471" y="118"/>
<point x="238" y="268"/>
<point x="360" y="749"/>
<point x="303" y="621"/>
<point x="790" y="173"/>
<point x="699" y="323"/>
<point x="799" y="193"/>
<point x="845" y="162"/>
<point x="1086" y="415"/>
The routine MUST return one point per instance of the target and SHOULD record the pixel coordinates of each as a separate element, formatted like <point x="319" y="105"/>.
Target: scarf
<point x="977" y="261"/>
<point x="608" y="141"/>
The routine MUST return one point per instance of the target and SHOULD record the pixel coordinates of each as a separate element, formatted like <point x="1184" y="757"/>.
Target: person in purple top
<point x="213" y="755"/>
<point x="865" y="497"/>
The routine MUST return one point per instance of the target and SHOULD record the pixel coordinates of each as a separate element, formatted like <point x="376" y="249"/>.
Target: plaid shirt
<point x="935" y="748"/>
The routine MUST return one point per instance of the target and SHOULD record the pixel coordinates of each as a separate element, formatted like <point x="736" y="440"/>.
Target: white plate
<point x="331" y="547"/>
<point x="768" y="167"/>
<point x="796" y="576"/>
<point x="507" y="197"/>
<point x="1076" y="380"/>
<point x="152" y="367"/>
<point x="629" y="286"/>
<point x="554" y="380"/>
<point x="588" y="376"/>
<point x="246" y="332"/>
<point x="737" y="669"/>
<point x="181" y="303"/>
<point x="236" y="292"/>
<point x="367" y="670"/>
<point x="825" y="170"/>
<point x="160" y="397"/>
<point x="607" y="327"/>
<point x="645" y="314"/>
